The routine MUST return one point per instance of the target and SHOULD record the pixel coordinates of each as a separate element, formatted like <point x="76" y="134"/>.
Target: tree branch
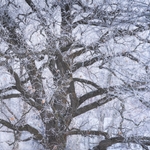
<point x="78" y="52"/>
<point x="31" y="4"/>
<point x="16" y="77"/>
<point x="93" y="105"/>
<point x="87" y="82"/>
<point x="88" y="133"/>
<point x="10" y="96"/>
<point x="86" y="63"/>
<point x="7" y="89"/>
<point x="143" y="141"/>
<point x="26" y="127"/>
<point x="35" y="9"/>
<point x="91" y="94"/>
<point x="104" y="58"/>
<point x="130" y="86"/>
<point x="24" y="93"/>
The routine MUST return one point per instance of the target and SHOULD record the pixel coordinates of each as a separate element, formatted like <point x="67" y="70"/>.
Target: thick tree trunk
<point x="57" y="122"/>
<point x="55" y="137"/>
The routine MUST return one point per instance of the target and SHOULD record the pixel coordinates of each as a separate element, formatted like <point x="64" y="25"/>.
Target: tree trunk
<point x="55" y="137"/>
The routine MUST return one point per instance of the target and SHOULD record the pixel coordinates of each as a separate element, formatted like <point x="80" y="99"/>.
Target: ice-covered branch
<point x="94" y="105"/>
<point x="87" y="133"/>
<point x="143" y="141"/>
<point x="91" y="94"/>
<point x="27" y="127"/>
<point x="87" y="82"/>
<point x="8" y="96"/>
<point x="86" y="63"/>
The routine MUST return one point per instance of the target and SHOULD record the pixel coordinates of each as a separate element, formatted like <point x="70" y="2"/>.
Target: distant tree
<point x="46" y="46"/>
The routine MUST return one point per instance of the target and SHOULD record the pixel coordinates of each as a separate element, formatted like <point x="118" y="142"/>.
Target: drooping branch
<point x="27" y="127"/>
<point x="7" y="89"/>
<point x="143" y="141"/>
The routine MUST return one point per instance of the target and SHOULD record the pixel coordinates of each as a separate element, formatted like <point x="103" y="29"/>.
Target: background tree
<point x="61" y="59"/>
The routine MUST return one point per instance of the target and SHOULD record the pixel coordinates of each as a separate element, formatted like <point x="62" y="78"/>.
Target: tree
<point x="46" y="45"/>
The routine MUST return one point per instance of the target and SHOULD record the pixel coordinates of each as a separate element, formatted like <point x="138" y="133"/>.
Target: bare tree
<point x="66" y="51"/>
